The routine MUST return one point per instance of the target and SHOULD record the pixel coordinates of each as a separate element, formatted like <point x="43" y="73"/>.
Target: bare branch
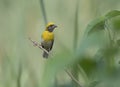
<point x="38" y="45"/>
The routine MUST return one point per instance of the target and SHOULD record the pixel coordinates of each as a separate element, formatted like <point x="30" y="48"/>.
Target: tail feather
<point x="45" y="55"/>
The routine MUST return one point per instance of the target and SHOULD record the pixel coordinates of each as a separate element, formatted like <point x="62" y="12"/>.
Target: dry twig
<point x="38" y="45"/>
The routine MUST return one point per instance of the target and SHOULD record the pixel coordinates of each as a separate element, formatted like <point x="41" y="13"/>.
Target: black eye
<point x="51" y="26"/>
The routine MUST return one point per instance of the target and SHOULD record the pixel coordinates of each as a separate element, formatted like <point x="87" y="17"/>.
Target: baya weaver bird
<point x="48" y="38"/>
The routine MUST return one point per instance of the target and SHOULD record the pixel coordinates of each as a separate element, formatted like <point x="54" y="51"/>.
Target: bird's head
<point x="50" y="26"/>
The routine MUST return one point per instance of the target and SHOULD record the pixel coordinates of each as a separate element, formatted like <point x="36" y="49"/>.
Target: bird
<point x="48" y="38"/>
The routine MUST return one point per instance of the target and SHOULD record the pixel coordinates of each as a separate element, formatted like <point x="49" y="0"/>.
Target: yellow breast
<point x="47" y="36"/>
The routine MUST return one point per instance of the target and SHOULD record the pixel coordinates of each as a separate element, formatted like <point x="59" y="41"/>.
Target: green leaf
<point x="88" y="64"/>
<point x="99" y="23"/>
<point x="96" y="40"/>
<point x="95" y="25"/>
<point x="116" y="23"/>
<point x="118" y="42"/>
<point x="112" y="14"/>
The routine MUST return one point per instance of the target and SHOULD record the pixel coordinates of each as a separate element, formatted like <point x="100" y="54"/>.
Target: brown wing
<point x="51" y="44"/>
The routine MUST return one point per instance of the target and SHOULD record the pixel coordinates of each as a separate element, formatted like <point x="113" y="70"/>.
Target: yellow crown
<point x="50" y="23"/>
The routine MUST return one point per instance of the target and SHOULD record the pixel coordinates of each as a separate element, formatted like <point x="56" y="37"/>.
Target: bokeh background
<point x="22" y="65"/>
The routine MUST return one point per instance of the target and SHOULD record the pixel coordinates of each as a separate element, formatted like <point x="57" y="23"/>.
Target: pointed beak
<point x="55" y="26"/>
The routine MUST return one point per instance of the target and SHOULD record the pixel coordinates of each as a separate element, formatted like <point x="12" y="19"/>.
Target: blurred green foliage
<point x="87" y="43"/>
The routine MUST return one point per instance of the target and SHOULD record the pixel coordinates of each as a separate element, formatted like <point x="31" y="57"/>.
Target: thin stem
<point x="43" y="11"/>
<point x="19" y="76"/>
<point x="75" y="75"/>
<point x="76" y="26"/>
<point x="73" y="78"/>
